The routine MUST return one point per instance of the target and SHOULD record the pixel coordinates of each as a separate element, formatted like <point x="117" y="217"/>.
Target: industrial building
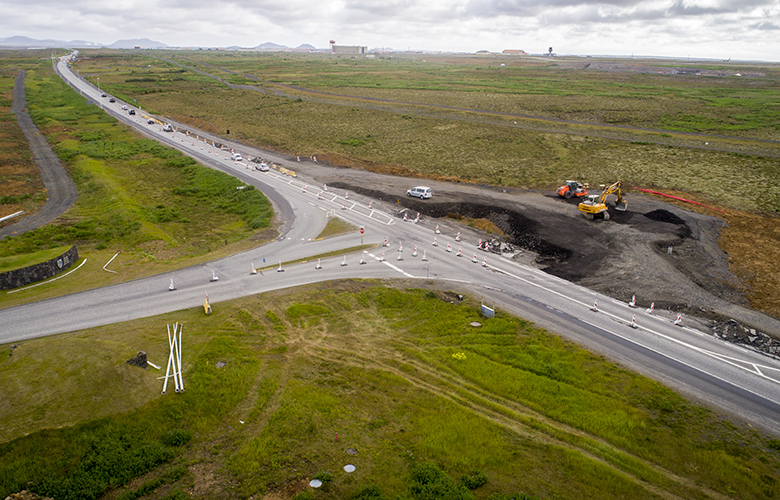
<point x="348" y="49"/>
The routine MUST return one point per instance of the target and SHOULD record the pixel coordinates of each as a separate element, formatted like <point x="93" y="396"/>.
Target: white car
<point x="263" y="167"/>
<point x="421" y="192"/>
<point x="236" y="157"/>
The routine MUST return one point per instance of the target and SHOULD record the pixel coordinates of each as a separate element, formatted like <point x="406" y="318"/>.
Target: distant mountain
<point x="143" y="43"/>
<point x="27" y="42"/>
<point x="271" y="46"/>
<point x="305" y="46"/>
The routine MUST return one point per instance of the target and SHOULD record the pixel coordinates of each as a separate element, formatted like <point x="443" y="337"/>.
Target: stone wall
<point x="38" y="272"/>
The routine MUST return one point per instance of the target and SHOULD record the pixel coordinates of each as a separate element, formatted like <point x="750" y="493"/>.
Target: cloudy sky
<point x="721" y="29"/>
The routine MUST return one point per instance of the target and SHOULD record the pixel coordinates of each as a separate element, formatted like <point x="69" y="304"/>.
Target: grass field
<point x="157" y="207"/>
<point x="396" y="374"/>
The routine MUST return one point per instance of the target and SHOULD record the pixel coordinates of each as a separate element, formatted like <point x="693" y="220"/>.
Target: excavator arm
<point x="596" y="205"/>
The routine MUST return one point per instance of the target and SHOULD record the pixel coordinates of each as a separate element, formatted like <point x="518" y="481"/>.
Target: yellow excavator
<point x="596" y="205"/>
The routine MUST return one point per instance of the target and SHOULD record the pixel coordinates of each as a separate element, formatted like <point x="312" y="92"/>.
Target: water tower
<point x="332" y="43"/>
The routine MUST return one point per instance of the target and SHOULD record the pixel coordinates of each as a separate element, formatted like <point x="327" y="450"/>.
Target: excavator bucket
<point x="621" y="205"/>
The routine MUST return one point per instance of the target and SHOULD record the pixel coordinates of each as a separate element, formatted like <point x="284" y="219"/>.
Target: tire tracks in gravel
<point x="60" y="189"/>
<point x="511" y="415"/>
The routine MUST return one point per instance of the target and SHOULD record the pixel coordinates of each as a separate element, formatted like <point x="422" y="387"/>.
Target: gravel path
<point x="60" y="188"/>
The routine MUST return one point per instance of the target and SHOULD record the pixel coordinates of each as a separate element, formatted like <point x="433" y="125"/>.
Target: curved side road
<point x="61" y="191"/>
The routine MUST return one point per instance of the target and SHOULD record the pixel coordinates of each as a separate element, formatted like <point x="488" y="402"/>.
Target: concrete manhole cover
<point x="315" y="483"/>
<point x="475" y="324"/>
<point x="349" y="468"/>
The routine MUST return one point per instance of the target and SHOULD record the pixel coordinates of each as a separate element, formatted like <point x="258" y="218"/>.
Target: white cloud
<point x="741" y="29"/>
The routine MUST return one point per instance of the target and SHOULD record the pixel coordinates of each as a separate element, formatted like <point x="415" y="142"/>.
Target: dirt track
<point x="625" y="256"/>
<point x="60" y="189"/>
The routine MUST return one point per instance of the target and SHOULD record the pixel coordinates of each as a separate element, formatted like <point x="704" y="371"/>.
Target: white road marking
<point x="720" y="357"/>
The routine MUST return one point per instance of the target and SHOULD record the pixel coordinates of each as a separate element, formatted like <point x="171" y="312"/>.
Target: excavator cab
<point x="596" y="205"/>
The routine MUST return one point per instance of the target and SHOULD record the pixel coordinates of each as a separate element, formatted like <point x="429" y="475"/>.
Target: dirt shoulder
<point x="61" y="191"/>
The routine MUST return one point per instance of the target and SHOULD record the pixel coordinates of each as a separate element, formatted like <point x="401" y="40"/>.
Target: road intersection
<point x="743" y="382"/>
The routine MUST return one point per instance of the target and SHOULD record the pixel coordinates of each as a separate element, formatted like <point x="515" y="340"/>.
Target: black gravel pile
<point x="737" y="333"/>
<point x="661" y="215"/>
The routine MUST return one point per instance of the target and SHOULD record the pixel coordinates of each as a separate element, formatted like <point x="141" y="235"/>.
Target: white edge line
<point x="659" y="334"/>
<point x="629" y="339"/>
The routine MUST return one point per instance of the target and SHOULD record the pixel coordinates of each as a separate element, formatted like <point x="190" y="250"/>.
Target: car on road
<point x="150" y="121"/>
<point x="103" y="95"/>
<point x="131" y="112"/>
<point x="167" y="128"/>
<point x="421" y="192"/>
<point x="112" y="100"/>
<point x="236" y="157"/>
<point x="263" y="167"/>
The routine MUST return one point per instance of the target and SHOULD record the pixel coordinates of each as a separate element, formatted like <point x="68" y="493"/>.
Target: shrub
<point x="176" y="437"/>
<point x="474" y="480"/>
<point x="430" y="483"/>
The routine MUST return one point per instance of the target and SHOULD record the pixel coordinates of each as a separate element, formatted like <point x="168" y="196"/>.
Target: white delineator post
<point x="595" y="307"/>
<point x="678" y="321"/>
<point x="633" y="301"/>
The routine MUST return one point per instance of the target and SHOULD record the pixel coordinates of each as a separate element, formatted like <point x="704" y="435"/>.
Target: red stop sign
<point x="361" y="230"/>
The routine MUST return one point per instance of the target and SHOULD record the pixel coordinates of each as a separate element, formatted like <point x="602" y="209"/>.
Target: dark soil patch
<point x="661" y="215"/>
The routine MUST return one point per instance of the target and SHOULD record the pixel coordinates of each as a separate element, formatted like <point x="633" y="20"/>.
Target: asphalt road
<point x="742" y="382"/>
<point x="60" y="189"/>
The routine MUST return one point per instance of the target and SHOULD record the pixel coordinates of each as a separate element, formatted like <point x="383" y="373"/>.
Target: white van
<point x="421" y="192"/>
<point x="236" y="157"/>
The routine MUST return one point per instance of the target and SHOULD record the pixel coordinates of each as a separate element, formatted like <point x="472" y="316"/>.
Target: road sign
<point x="362" y="230"/>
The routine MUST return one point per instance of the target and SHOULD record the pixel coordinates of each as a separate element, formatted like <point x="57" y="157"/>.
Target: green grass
<point x="334" y="227"/>
<point x="350" y="364"/>
<point x="24" y="260"/>
<point x="479" y="145"/>
<point x="156" y="206"/>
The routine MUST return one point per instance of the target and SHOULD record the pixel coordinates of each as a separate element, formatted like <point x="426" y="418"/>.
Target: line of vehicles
<point x="594" y="205"/>
<point x="130" y="111"/>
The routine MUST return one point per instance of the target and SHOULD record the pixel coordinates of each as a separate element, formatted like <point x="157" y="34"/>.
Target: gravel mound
<point x="662" y="215"/>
